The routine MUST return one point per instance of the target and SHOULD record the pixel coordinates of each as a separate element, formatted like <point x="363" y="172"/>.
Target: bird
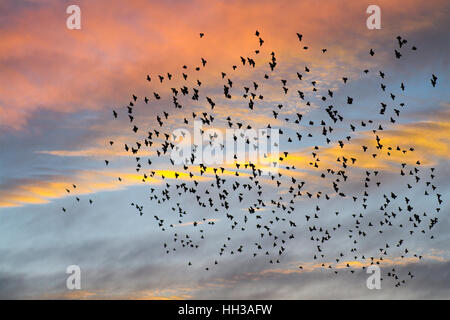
<point x="433" y="80"/>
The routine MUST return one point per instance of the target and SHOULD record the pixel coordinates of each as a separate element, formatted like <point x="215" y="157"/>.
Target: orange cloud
<point x="430" y="141"/>
<point x="70" y="295"/>
<point x="29" y="191"/>
<point x="312" y="266"/>
<point x="63" y="70"/>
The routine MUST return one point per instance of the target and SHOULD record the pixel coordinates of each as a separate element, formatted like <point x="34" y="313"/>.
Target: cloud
<point x="57" y="89"/>
<point x="430" y="141"/>
<point x="41" y="190"/>
<point x="63" y="70"/>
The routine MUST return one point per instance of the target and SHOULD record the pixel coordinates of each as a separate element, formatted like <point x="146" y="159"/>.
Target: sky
<point x="58" y="88"/>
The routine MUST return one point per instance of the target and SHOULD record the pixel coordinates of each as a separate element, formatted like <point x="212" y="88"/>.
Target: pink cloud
<point x="46" y="66"/>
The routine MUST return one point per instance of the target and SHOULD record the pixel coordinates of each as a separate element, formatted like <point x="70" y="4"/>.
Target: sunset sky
<point x="57" y="91"/>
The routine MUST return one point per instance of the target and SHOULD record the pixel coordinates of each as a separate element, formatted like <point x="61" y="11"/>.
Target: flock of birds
<point x="253" y="203"/>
